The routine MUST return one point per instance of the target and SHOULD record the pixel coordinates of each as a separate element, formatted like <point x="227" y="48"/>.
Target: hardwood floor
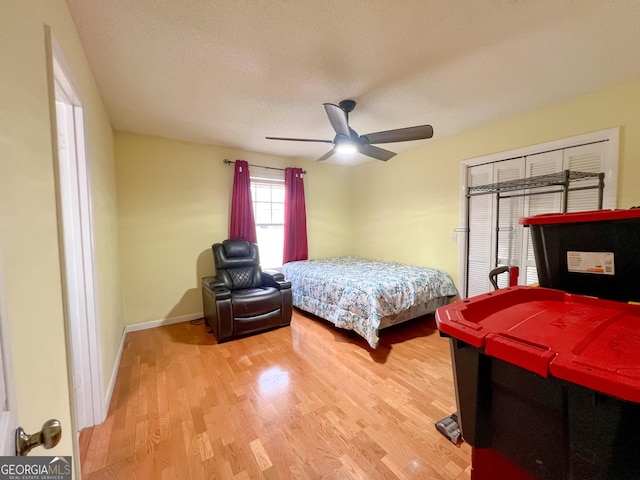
<point x="302" y="402"/>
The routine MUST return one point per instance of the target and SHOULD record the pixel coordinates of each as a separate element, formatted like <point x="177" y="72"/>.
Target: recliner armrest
<point x="213" y="282"/>
<point x="221" y="293"/>
<point x="217" y="286"/>
<point x="273" y="278"/>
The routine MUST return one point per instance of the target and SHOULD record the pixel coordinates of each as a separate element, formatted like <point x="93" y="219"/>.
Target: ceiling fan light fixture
<point x="345" y="146"/>
<point x="347" y="141"/>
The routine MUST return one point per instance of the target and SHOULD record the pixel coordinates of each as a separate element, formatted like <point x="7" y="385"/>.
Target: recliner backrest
<point x="237" y="264"/>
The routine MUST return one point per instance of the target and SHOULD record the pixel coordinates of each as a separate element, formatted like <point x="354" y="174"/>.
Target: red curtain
<point x="242" y="225"/>
<point x="295" y="217"/>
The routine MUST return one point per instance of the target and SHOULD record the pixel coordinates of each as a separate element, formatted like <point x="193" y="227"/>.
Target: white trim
<point x="162" y="322"/>
<point x="91" y="410"/>
<point x="462" y="228"/>
<point x="276" y="178"/>
<point x="609" y="200"/>
<point x="137" y="327"/>
<point x="114" y="373"/>
<point x="91" y="280"/>
<point x="611" y="134"/>
<point x="9" y="411"/>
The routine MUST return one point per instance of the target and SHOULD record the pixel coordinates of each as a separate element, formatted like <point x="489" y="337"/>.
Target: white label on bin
<point x="591" y="262"/>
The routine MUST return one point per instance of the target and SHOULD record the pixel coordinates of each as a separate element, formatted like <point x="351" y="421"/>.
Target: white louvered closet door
<point x="511" y="243"/>
<point x="585" y="158"/>
<point x="480" y="221"/>
<point x="539" y="203"/>
<point x="510" y="209"/>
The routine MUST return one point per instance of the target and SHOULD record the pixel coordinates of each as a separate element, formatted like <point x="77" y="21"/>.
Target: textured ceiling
<point x="230" y="72"/>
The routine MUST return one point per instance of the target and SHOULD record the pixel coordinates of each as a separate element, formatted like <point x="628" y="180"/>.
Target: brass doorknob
<point x="48" y="437"/>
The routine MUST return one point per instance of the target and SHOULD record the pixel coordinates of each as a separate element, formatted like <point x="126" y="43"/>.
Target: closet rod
<point x="229" y="162"/>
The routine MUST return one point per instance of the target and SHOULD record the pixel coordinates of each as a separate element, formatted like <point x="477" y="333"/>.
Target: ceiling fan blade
<point x="375" y="152"/>
<point x="338" y="119"/>
<point x="399" y="135"/>
<point x="299" y="139"/>
<point x="326" y="155"/>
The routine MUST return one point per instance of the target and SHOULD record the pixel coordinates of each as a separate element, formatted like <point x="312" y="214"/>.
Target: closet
<point x="498" y="193"/>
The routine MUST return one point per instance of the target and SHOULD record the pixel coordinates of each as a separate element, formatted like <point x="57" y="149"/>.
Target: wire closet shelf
<point x="562" y="179"/>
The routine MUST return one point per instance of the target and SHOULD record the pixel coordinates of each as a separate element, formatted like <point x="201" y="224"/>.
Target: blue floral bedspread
<point x="355" y="293"/>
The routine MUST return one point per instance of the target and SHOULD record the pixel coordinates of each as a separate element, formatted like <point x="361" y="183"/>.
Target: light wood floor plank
<point x="303" y="402"/>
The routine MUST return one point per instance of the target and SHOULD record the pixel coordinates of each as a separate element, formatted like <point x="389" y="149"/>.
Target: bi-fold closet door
<point x="495" y="237"/>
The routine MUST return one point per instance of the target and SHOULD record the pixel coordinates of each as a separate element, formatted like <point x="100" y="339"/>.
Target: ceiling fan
<point x="348" y="141"/>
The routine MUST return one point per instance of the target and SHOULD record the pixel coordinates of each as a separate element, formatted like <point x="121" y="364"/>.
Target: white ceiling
<point x="230" y="72"/>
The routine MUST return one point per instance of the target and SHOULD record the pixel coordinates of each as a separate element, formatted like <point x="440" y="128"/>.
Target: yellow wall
<point x="174" y="199"/>
<point x="173" y="203"/>
<point x="406" y="209"/>
<point x="28" y="224"/>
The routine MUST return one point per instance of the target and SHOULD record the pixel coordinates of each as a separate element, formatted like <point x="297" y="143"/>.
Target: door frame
<point x="89" y="408"/>
<point x="9" y="411"/>
<point x="609" y="199"/>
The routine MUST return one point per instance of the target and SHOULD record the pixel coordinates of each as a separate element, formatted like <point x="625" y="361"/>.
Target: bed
<point x="367" y="295"/>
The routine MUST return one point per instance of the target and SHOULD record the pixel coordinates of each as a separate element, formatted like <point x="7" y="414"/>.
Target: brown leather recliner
<point x="242" y="299"/>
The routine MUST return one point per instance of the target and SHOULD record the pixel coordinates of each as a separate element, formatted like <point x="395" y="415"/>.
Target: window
<point x="267" y="192"/>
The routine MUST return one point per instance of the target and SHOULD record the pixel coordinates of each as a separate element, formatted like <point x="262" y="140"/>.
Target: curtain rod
<point x="229" y="162"/>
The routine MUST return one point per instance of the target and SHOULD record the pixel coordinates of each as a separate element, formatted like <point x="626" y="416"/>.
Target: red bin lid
<point x="579" y="217"/>
<point x="584" y="340"/>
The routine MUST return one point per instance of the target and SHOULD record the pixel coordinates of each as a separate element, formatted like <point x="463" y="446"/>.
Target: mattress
<point x="365" y="295"/>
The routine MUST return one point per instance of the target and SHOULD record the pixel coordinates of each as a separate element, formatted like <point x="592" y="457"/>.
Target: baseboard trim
<point x="162" y="322"/>
<point x="134" y="328"/>
<point x="114" y="374"/>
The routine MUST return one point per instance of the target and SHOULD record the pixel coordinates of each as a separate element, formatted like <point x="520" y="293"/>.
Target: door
<point x="76" y="235"/>
<point x="8" y="412"/>
<point x="494" y="235"/>
<point x="585" y="158"/>
<point x="539" y="164"/>
<point x="508" y="209"/>
<point x="479" y="234"/>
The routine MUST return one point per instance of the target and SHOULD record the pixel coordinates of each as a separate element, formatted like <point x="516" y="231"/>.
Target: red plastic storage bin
<point x="549" y="380"/>
<point x="594" y="253"/>
<point x="487" y="464"/>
